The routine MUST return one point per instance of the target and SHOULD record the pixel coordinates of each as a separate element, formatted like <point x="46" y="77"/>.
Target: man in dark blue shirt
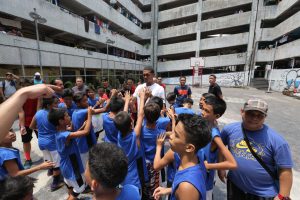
<point x="182" y="92"/>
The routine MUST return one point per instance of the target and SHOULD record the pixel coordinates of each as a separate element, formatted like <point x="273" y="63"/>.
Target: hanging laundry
<point x="86" y="24"/>
<point x="97" y="28"/>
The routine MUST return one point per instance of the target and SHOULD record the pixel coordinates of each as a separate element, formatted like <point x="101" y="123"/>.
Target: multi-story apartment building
<point x="240" y="40"/>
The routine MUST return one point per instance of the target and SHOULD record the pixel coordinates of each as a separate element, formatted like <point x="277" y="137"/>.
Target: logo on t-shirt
<point x="240" y="149"/>
<point x="182" y="92"/>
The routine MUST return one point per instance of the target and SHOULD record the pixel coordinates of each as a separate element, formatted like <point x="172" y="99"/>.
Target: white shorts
<point x="84" y="158"/>
<point x="209" y="194"/>
<point x="76" y="188"/>
<point x="52" y="156"/>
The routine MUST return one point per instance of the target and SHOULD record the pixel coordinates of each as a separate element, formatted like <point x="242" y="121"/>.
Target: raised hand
<point x="161" y="139"/>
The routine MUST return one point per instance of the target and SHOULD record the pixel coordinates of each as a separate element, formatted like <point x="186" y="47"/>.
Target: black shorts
<point x="28" y="136"/>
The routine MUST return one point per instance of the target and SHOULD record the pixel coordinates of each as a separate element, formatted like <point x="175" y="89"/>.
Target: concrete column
<point x="154" y="37"/>
<point x="251" y="42"/>
<point x="198" y="28"/>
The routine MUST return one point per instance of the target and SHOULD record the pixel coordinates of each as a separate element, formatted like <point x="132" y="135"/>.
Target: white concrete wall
<point x="177" y="13"/>
<point x="213" y="5"/>
<point x="132" y="8"/>
<point x="66" y="23"/>
<point x="272" y="12"/>
<point x="226" y="21"/>
<point x="12" y="48"/>
<point x="225" y="41"/>
<point x="175" y="31"/>
<point x="288" y="50"/>
<point x="176" y="48"/>
<point x="212" y="61"/>
<point x="281" y="29"/>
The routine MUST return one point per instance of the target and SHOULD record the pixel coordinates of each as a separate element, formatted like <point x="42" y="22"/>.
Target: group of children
<point x="136" y="156"/>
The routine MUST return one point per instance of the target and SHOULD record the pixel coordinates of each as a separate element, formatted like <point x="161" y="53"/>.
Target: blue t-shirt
<point x="130" y="148"/>
<point x="182" y="110"/>
<point x="129" y="192"/>
<point x="69" y="110"/>
<point x="9" y="154"/>
<point x="250" y="176"/>
<point x="86" y="142"/>
<point x="211" y="157"/>
<point x="70" y="162"/>
<point x="192" y="175"/>
<point x="181" y="94"/>
<point x="92" y="102"/>
<point x="111" y="132"/>
<point x="148" y="140"/>
<point x="46" y="131"/>
<point x="162" y="122"/>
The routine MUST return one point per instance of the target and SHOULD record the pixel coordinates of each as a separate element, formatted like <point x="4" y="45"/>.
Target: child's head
<point x="192" y="133"/>
<point x="116" y="104"/>
<point x="171" y="97"/>
<point x="158" y="101"/>
<point x="203" y="97"/>
<point x="123" y="122"/>
<point x="106" y="168"/>
<point x="59" y="117"/>
<point x="18" y="187"/>
<point x="152" y="112"/>
<point x="188" y="103"/>
<point x="9" y="138"/>
<point x="91" y="92"/>
<point x="49" y="103"/>
<point x="100" y="91"/>
<point x="81" y="100"/>
<point x="213" y="108"/>
<point x="68" y="97"/>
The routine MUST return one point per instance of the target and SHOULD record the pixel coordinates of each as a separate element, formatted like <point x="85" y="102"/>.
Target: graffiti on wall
<point x="231" y="79"/>
<point x="288" y="78"/>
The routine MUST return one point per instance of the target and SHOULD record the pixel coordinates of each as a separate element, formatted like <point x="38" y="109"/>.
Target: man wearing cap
<point x="37" y="79"/>
<point x="8" y="86"/>
<point x="251" y="180"/>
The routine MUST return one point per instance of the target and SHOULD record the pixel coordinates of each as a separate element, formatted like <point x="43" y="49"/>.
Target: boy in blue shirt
<point x="189" y="135"/>
<point x="162" y="122"/>
<point x="129" y="140"/>
<point x="106" y="169"/>
<point x="171" y="97"/>
<point x="71" y="164"/>
<point x="68" y="101"/>
<point x="186" y="108"/>
<point x="111" y="132"/>
<point x="10" y="161"/>
<point x="148" y="139"/>
<point x="214" y="108"/>
<point x="92" y="99"/>
<point x="78" y="118"/>
<point x="46" y="139"/>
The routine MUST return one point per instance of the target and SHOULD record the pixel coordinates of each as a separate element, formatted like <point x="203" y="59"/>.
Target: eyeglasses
<point x="255" y="114"/>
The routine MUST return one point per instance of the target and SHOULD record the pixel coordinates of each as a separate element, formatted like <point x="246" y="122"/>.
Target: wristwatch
<point x="282" y="197"/>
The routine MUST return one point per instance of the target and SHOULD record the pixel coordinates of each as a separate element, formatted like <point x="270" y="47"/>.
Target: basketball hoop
<point x="197" y="63"/>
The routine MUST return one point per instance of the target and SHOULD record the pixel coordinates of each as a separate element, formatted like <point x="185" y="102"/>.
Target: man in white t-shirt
<point x="156" y="89"/>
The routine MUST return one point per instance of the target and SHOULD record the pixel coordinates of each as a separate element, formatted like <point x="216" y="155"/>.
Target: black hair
<point x="188" y="100"/>
<point x="104" y="79"/>
<point x="130" y="79"/>
<point x="68" y="92"/>
<point x="123" y="122"/>
<point x="182" y="77"/>
<point x="207" y="95"/>
<point x="17" y="187"/>
<point x="171" y="96"/>
<point x="47" y="102"/>
<point x="197" y="130"/>
<point x="55" y="115"/>
<point x="149" y="69"/>
<point x="152" y="112"/>
<point x="91" y="88"/>
<point x="107" y="164"/>
<point x="116" y="104"/>
<point x="219" y="105"/>
<point x="79" y="77"/>
<point x="54" y="80"/>
<point x="78" y="96"/>
<point x="213" y="76"/>
<point x="158" y="101"/>
<point x="98" y="88"/>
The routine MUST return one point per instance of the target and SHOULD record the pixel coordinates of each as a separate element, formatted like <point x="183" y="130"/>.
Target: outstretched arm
<point x="86" y="129"/>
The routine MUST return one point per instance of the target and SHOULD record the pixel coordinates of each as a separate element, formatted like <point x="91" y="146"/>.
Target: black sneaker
<point x="27" y="164"/>
<point x="56" y="186"/>
<point x="50" y="172"/>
